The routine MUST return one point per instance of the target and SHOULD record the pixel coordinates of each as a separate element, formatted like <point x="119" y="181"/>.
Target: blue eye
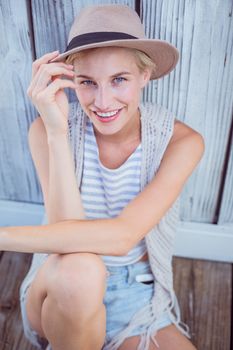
<point x="87" y="82"/>
<point x="119" y="80"/>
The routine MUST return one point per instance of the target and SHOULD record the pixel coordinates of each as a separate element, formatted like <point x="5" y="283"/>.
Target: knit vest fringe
<point x="157" y="125"/>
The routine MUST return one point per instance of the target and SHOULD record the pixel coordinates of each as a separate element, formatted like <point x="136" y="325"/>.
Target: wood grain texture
<point x="226" y="211"/>
<point x="17" y="175"/>
<point x="204" y="291"/>
<point x="199" y="90"/>
<point x="13" y="267"/>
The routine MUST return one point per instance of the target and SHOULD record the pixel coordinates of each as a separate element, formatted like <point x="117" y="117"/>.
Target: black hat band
<point x="97" y="37"/>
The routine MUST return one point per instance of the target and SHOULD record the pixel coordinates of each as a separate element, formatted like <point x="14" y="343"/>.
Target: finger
<point x="48" y="73"/>
<point x="51" y="90"/>
<point x="49" y="69"/>
<point x="42" y="60"/>
<point x="59" y="84"/>
<point x="45" y="79"/>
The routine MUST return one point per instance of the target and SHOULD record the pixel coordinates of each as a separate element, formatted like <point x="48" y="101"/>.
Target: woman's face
<point x="109" y="86"/>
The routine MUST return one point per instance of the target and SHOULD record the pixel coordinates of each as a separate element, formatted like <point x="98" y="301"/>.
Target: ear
<point x="146" y="74"/>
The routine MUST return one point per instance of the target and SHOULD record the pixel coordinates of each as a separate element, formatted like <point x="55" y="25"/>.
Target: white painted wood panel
<point x="17" y="175"/>
<point x="20" y="213"/>
<point x="226" y="211"/>
<point x="199" y="91"/>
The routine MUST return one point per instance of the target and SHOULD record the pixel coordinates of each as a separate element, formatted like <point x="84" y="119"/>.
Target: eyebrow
<point x="112" y="76"/>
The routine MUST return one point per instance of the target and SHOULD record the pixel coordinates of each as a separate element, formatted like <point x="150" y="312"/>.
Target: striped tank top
<point x="105" y="192"/>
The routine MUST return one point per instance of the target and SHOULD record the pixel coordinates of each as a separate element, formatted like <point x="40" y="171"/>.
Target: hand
<point x="46" y="91"/>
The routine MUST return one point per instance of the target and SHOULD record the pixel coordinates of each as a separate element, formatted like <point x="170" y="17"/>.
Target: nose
<point x="103" y="98"/>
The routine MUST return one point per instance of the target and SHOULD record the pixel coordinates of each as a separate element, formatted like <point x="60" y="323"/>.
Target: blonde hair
<point x="143" y="61"/>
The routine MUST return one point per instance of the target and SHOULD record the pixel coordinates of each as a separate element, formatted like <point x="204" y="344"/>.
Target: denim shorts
<point x="128" y="289"/>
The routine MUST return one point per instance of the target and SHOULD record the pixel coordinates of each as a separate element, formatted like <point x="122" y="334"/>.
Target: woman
<point x="111" y="172"/>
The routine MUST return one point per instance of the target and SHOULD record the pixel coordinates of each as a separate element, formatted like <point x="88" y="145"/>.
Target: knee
<point x="77" y="281"/>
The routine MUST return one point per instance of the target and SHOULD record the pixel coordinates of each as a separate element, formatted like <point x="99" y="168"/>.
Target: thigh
<point x="168" y="338"/>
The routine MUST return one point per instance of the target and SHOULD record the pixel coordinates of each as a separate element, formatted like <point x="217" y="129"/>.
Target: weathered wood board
<point x="203" y="290"/>
<point x="18" y="180"/>
<point x="226" y="209"/>
<point x="199" y="91"/>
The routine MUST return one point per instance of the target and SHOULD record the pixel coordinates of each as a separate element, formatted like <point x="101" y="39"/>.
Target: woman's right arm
<point x="49" y="142"/>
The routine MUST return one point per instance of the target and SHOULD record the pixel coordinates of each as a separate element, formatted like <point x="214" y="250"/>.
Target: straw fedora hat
<point x="118" y="25"/>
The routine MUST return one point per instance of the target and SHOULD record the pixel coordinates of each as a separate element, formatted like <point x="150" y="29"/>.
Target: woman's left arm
<point x="181" y="157"/>
<point x="118" y="235"/>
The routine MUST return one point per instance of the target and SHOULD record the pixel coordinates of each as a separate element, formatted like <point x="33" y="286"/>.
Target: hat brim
<point x="163" y="54"/>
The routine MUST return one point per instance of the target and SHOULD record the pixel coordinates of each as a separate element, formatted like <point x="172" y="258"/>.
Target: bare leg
<point x="65" y="302"/>
<point x="168" y="338"/>
<point x="70" y="333"/>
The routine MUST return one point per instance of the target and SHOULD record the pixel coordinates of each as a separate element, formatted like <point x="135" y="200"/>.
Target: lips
<point x="106" y="117"/>
<point x="107" y="114"/>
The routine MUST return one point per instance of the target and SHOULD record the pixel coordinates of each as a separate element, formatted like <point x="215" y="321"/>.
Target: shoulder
<point x="182" y="133"/>
<point x="172" y="130"/>
<point x="184" y="151"/>
<point x="162" y="116"/>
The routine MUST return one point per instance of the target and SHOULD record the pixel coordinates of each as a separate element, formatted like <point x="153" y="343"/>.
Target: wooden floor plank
<point x="13" y="267"/>
<point x="203" y="289"/>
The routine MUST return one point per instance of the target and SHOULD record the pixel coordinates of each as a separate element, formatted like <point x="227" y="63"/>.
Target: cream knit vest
<point x="157" y="126"/>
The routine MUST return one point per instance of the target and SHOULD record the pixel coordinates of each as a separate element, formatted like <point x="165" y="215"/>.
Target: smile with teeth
<point x="107" y="114"/>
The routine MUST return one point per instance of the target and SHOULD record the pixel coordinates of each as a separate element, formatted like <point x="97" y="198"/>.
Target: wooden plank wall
<point x="199" y="91"/>
<point x="226" y="206"/>
<point x="17" y="176"/>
